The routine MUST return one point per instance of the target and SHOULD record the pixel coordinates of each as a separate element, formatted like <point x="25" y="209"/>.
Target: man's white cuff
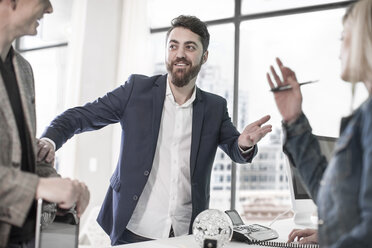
<point x="246" y="151"/>
<point x="50" y="141"/>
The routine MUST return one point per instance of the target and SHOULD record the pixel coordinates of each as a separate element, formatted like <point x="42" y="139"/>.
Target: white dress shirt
<point x="166" y="198"/>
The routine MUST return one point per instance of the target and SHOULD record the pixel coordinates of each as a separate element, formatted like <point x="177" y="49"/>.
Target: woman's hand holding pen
<point x="289" y="102"/>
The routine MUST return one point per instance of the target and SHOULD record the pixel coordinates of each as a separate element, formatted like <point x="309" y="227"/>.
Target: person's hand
<point x="62" y="191"/>
<point x="254" y="132"/>
<point x="83" y="199"/>
<point x="304" y="236"/>
<point x="45" y="151"/>
<point x="289" y="102"/>
<point x="65" y="192"/>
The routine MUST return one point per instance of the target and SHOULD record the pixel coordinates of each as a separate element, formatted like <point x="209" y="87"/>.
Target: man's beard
<point x="182" y="77"/>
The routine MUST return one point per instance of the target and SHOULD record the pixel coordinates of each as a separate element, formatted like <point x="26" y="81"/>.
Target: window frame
<point x="20" y="50"/>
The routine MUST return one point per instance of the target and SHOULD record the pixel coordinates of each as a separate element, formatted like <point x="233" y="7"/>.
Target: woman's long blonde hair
<point x="359" y="64"/>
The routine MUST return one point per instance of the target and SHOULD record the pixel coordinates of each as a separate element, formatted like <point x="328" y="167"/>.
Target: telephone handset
<point x="249" y="233"/>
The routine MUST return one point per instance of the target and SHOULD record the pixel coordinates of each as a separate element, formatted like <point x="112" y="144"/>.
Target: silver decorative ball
<point x="212" y="224"/>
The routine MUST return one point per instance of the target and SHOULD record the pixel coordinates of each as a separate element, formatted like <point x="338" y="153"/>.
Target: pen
<point x="288" y="86"/>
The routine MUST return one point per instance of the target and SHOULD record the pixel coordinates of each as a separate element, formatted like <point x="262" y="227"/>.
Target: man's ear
<point x="205" y="56"/>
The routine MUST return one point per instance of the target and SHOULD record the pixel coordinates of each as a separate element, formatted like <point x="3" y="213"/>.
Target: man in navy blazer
<point x="171" y="131"/>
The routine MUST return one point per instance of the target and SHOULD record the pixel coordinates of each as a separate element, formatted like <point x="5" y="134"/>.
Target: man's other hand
<point x="65" y="192"/>
<point x="254" y="132"/>
<point x="83" y="199"/>
<point x="45" y="151"/>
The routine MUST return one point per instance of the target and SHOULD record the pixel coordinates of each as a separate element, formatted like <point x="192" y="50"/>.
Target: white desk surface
<point x="283" y="227"/>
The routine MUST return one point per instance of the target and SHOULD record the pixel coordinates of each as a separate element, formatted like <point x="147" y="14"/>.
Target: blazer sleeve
<point x="17" y="192"/>
<point x="92" y="116"/>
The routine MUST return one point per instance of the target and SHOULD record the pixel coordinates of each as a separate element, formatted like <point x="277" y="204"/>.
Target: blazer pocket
<point x="115" y="182"/>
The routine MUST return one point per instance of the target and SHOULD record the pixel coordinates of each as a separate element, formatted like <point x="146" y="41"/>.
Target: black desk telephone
<point x="249" y="233"/>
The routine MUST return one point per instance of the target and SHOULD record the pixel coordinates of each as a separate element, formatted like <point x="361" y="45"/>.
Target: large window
<point x="305" y="35"/>
<point x="261" y="6"/>
<point x="309" y="43"/>
<point x="49" y="66"/>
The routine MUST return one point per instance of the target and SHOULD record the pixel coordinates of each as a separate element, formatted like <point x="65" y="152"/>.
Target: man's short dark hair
<point x="195" y="25"/>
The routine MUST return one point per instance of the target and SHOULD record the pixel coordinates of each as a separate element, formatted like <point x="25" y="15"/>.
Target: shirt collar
<point x="8" y="58"/>
<point x="169" y="94"/>
<point x="7" y="65"/>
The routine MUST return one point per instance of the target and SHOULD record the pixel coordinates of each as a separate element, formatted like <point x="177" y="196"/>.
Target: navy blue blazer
<point x="138" y="106"/>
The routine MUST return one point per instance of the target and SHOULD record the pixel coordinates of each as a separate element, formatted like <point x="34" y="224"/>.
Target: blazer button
<point x="146" y="173"/>
<point x="135" y="197"/>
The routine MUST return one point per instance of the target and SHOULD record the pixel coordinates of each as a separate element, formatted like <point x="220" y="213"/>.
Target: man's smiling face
<point x="184" y="56"/>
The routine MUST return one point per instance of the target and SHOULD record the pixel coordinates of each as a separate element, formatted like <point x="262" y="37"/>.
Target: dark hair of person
<point x="195" y="25"/>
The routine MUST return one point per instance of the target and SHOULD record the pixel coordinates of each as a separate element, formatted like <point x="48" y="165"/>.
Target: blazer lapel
<point x="197" y="123"/>
<point x="7" y="113"/>
<point x="158" y="97"/>
<point x="26" y="89"/>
